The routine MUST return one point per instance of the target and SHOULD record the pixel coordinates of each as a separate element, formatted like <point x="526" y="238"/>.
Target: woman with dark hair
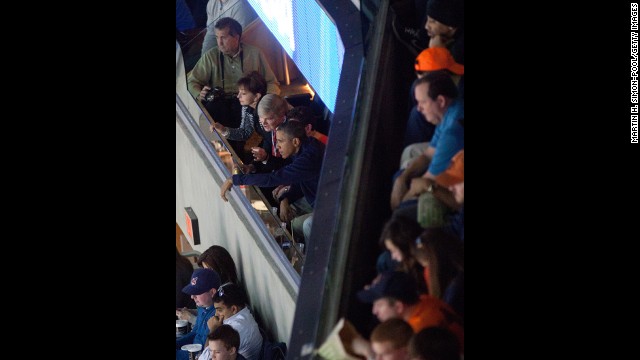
<point x="442" y="256"/>
<point x="251" y="88"/>
<point x="397" y="236"/>
<point x="217" y="258"/>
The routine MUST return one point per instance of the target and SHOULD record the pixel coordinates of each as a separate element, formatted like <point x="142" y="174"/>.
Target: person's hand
<point x="279" y="191"/>
<point x="286" y="212"/>
<point x="214" y="322"/>
<point x="247" y="169"/>
<point x="219" y="127"/>
<point x="418" y="186"/>
<point x="203" y="92"/>
<point x="275" y="191"/>
<point x="354" y="341"/>
<point x="185" y="314"/>
<point x="259" y="154"/>
<point x="397" y="192"/>
<point x="226" y="186"/>
<point x="373" y="282"/>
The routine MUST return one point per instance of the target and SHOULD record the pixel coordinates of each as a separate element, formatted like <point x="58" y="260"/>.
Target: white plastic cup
<point x="193" y="349"/>
<point x="181" y="327"/>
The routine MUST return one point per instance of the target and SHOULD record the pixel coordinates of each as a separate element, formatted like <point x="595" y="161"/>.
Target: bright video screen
<point x="310" y="38"/>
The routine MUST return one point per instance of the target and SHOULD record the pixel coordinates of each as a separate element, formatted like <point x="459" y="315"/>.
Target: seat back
<point x="272" y="350"/>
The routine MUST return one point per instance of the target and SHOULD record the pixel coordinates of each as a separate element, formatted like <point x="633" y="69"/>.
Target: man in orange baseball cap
<point x="419" y="131"/>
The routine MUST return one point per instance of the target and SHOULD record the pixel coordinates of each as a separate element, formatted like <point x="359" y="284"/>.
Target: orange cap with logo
<point x="437" y="58"/>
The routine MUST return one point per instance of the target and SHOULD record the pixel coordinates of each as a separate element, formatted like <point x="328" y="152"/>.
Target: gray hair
<point x="272" y="104"/>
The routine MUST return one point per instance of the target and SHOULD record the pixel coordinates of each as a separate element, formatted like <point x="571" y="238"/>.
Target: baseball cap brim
<point x="446" y="179"/>
<point x="369" y="295"/>
<point x="456" y="68"/>
<point x="193" y="290"/>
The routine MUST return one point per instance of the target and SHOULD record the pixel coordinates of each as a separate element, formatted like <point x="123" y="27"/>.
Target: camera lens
<point x="213" y="94"/>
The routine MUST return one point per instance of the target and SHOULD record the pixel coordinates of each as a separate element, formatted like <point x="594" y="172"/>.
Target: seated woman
<point x="251" y="88"/>
<point x="218" y="258"/>
<point x="442" y="255"/>
<point x="397" y="236"/>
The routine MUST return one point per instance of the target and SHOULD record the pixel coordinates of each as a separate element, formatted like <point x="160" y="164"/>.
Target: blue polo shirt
<point x="448" y="138"/>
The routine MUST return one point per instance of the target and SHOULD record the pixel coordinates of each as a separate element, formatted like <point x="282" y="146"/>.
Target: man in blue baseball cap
<point x="203" y="286"/>
<point x="394" y="295"/>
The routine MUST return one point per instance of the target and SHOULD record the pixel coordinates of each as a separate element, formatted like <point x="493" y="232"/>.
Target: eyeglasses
<point x="221" y="289"/>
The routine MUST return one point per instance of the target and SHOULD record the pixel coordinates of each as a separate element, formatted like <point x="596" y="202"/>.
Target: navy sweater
<point x="303" y="172"/>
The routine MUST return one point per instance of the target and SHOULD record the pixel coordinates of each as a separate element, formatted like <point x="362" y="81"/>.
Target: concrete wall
<point x="271" y="285"/>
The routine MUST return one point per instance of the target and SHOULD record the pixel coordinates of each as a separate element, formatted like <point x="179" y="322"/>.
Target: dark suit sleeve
<point x="302" y="168"/>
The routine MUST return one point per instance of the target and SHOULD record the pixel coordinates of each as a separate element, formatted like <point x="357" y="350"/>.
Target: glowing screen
<point x="310" y="38"/>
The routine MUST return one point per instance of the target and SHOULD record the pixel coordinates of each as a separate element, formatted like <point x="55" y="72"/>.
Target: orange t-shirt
<point x="321" y="137"/>
<point x="430" y="311"/>
<point x="427" y="279"/>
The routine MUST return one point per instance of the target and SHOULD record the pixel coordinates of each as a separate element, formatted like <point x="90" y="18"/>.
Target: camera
<point x="214" y="94"/>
